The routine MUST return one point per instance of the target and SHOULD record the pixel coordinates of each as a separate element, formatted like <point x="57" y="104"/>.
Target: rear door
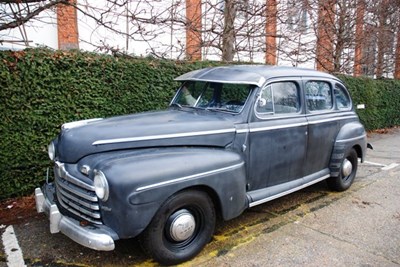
<point x="323" y="123"/>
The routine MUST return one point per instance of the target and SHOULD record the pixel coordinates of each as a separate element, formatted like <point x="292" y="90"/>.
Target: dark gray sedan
<point x="234" y="137"/>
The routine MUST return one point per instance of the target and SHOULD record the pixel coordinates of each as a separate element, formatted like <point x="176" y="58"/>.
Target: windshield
<point x="213" y="96"/>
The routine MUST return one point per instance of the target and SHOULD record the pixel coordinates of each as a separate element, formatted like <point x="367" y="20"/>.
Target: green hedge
<point x="41" y="89"/>
<point x="381" y="99"/>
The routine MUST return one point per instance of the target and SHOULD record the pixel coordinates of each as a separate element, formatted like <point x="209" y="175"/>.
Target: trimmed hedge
<point x="381" y="99"/>
<point x="41" y="89"/>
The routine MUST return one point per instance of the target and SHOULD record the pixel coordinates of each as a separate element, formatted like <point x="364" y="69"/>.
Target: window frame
<point x="347" y="93"/>
<point x="272" y="115"/>
<point x="251" y="88"/>
<point x="319" y="111"/>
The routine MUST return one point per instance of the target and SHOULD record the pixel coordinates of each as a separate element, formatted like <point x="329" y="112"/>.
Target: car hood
<point x="150" y="129"/>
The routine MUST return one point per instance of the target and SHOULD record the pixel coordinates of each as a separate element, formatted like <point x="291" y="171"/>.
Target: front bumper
<point x="97" y="237"/>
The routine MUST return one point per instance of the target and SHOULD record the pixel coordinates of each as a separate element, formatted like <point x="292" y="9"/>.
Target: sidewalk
<point x="360" y="229"/>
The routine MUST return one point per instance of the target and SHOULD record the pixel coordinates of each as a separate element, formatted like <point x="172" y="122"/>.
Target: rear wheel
<point x="183" y="225"/>
<point x="347" y="173"/>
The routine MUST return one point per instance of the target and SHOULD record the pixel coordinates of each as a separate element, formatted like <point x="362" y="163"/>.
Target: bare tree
<point x="14" y="13"/>
<point x="305" y="32"/>
<point x="228" y="34"/>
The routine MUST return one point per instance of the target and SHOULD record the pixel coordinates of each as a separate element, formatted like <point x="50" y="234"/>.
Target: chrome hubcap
<point x="347" y="168"/>
<point x="183" y="225"/>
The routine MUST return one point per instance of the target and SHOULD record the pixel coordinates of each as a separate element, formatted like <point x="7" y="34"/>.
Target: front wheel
<point x="183" y="225"/>
<point x="347" y="173"/>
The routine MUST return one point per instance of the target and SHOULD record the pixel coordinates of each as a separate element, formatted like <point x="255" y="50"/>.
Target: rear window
<point x="318" y="96"/>
<point x="342" y="98"/>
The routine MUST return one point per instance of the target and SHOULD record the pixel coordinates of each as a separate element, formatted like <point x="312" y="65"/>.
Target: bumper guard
<point x="94" y="237"/>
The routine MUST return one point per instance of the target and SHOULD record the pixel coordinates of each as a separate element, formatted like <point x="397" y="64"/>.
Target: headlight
<point x="100" y="185"/>
<point x="51" y="149"/>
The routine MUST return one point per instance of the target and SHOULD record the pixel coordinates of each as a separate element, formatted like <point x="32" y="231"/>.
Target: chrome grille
<point x="76" y="196"/>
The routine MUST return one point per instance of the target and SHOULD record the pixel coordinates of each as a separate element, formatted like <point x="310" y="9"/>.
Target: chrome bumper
<point x="94" y="237"/>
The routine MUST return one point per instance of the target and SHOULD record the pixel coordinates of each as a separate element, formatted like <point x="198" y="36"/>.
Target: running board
<point x="261" y="196"/>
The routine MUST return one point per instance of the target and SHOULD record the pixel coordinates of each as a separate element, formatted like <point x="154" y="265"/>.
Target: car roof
<point x="249" y="74"/>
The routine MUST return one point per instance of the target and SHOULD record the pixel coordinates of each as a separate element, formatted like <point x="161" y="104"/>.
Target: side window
<point x="342" y="98"/>
<point x="279" y="98"/>
<point x="318" y="96"/>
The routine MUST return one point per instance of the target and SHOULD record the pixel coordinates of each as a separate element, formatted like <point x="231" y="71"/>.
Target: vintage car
<point x="233" y="137"/>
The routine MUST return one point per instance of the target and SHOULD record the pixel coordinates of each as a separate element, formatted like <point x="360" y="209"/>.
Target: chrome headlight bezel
<point x="51" y="150"/>
<point x="100" y="185"/>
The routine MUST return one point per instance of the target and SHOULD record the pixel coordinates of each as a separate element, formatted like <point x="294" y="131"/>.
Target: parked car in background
<point x="233" y="137"/>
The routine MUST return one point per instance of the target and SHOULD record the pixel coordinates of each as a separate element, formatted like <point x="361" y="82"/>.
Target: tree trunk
<point x="381" y="39"/>
<point x="228" y="35"/>
<point x="325" y="35"/>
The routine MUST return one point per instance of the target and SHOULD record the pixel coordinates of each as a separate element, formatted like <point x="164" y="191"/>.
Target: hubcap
<point x="182" y="226"/>
<point x="347" y="168"/>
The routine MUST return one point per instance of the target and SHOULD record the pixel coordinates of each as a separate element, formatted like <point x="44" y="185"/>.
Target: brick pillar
<point x="270" y="33"/>
<point x="67" y="26"/>
<point x="397" y="56"/>
<point x="193" y="29"/>
<point x="325" y="35"/>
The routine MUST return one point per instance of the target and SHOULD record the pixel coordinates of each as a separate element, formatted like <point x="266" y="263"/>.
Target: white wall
<point x="41" y="32"/>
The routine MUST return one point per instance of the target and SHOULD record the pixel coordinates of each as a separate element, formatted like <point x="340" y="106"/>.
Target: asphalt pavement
<point x="362" y="228"/>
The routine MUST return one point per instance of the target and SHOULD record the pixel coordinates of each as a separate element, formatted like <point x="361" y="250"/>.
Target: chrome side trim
<point x="262" y="201"/>
<point x="162" y="136"/>
<point x="239" y="131"/>
<point x="352" y="139"/>
<point x="333" y="119"/>
<point x="293" y="125"/>
<point x="74" y="124"/>
<point x="252" y="130"/>
<point x="189" y="177"/>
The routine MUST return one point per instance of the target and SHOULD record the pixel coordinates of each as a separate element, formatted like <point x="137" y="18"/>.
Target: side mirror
<point x="262" y="102"/>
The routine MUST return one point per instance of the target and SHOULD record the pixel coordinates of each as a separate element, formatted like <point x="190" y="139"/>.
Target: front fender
<point x="140" y="182"/>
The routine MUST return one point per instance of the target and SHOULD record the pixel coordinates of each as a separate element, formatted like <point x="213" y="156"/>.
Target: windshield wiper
<point x="176" y="105"/>
<point x="220" y="109"/>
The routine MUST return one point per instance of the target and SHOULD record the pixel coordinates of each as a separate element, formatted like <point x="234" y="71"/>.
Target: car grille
<point x="76" y="196"/>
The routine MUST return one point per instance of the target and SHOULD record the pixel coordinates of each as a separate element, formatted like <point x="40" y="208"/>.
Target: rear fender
<point x="351" y="135"/>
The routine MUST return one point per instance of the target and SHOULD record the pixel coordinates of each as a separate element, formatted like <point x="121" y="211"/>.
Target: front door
<point x="278" y="135"/>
